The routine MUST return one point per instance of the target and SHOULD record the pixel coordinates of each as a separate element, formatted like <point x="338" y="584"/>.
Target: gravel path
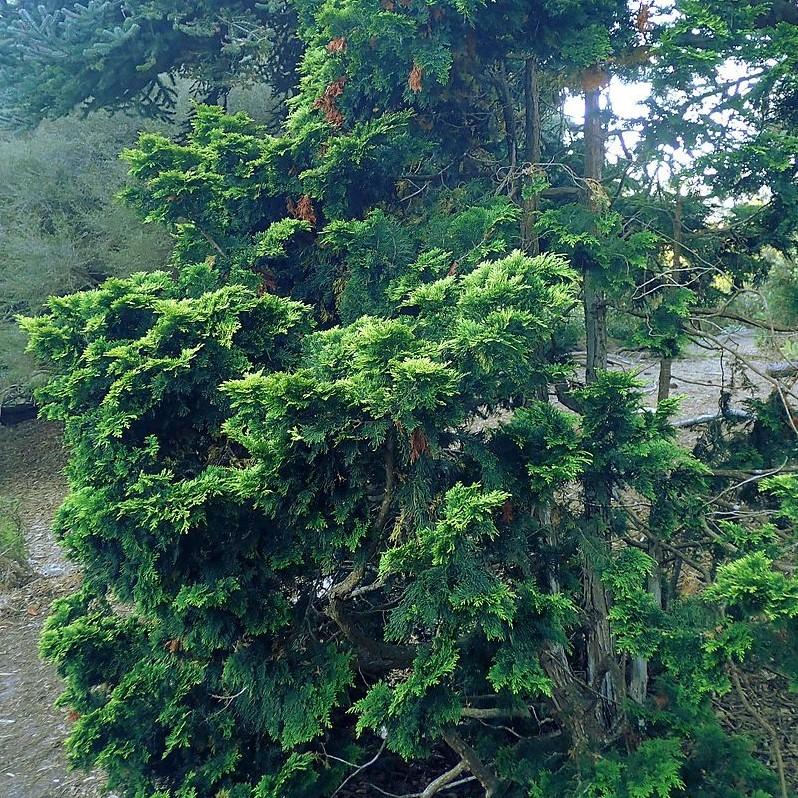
<point x="32" y="730"/>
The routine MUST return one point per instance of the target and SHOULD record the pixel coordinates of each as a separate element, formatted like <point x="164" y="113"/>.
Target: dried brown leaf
<point x="337" y="45"/>
<point x="419" y="444"/>
<point x="327" y="102"/>
<point x="303" y="209"/>
<point x="414" y="79"/>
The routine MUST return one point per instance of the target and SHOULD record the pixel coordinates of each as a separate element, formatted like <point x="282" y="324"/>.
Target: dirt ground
<point x="32" y="730"/>
<point x="698" y="377"/>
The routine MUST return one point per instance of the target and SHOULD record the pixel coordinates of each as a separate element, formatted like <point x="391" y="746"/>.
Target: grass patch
<point x="13" y="551"/>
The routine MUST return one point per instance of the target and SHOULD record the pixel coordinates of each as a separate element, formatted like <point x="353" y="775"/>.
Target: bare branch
<point x="765" y="724"/>
<point x="360" y="769"/>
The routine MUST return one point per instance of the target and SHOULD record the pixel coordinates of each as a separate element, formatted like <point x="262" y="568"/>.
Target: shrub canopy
<point x="328" y="514"/>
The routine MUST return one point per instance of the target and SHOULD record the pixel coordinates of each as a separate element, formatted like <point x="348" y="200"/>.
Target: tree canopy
<point x="344" y="505"/>
<point x="62" y="228"/>
<point x="106" y="55"/>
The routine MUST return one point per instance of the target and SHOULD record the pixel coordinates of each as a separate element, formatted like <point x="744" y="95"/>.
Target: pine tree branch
<point x="380" y="653"/>
<point x="722" y="313"/>
<point x="443" y="780"/>
<point x="784" y="369"/>
<point x="494" y="712"/>
<point x="728" y="414"/>
<point x="486" y="777"/>
<point x="377" y="654"/>
<point x="344" y="588"/>
<point x="694" y="564"/>
<point x="751" y="478"/>
<point x="449" y="785"/>
<point x="746" y="362"/>
<point x="566" y="398"/>
<point x="211" y="241"/>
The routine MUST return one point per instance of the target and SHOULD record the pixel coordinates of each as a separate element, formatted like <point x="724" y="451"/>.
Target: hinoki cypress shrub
<point x="330" y="523"/>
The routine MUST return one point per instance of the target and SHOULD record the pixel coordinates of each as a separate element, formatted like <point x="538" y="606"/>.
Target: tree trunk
<point x="569" y="700"/>
<point x="594" y="299"/>
<point x="638" y="685"/>
<point x="529" y="237"/>
<point x="666" y="363"/>
<point x="508" y="116"/>
<point x="555" y="662"/>
<point x="664" y="385"/>
<point x="595" y="326"/>
<point x="602" y="668"/>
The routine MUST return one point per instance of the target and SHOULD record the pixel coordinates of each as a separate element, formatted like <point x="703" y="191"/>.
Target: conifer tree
<point x="331" y="522"/>
<point x="55" y="57"/>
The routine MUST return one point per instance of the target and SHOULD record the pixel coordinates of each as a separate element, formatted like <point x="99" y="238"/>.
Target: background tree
<point x="62" y="229"/>
<point x="56" y="57"/>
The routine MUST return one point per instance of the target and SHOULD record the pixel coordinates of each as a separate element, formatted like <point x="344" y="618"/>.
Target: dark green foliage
<point x="781" y="289"/>
<point x="210" y="554"/>
<point x="222" y="512"/>
<point x="105" y="55"/>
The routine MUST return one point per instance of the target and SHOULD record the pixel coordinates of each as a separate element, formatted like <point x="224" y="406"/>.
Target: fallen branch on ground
<point x="731" y="414"/>
<point x="783" y="369"/>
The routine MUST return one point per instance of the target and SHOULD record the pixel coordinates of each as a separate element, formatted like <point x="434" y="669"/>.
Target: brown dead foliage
<point x="174" y="646"/>
<point x="337" y="45"/>
<point x="302" y="209"/>
<point x="419" y="444"/>
<point x="268" y="284"/>
<point x="327" y="102"/>
<point x="643" y="17"/>
<point x="595" y="78"/>
<point x="414" y="79"/>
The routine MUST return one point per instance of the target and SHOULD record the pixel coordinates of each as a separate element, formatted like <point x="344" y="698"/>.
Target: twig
<point x="785" y="369"/>
<point x="753" y="478"/>
<point x="765" y="724"/>
<point x="725" y="314"/>
<point x="211" y="241"/>
<point x="734" y="352"/>
<point x="493" y="712"/>
<point x="451" y="786"/>
<point x="360" y="769"/>
<point x="445" y="778"/>
<point x="730" y="414"/>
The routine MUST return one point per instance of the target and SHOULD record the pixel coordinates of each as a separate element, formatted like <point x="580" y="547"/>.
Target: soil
<point x="698" y="377"/>
<point x="32" y="729"/>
